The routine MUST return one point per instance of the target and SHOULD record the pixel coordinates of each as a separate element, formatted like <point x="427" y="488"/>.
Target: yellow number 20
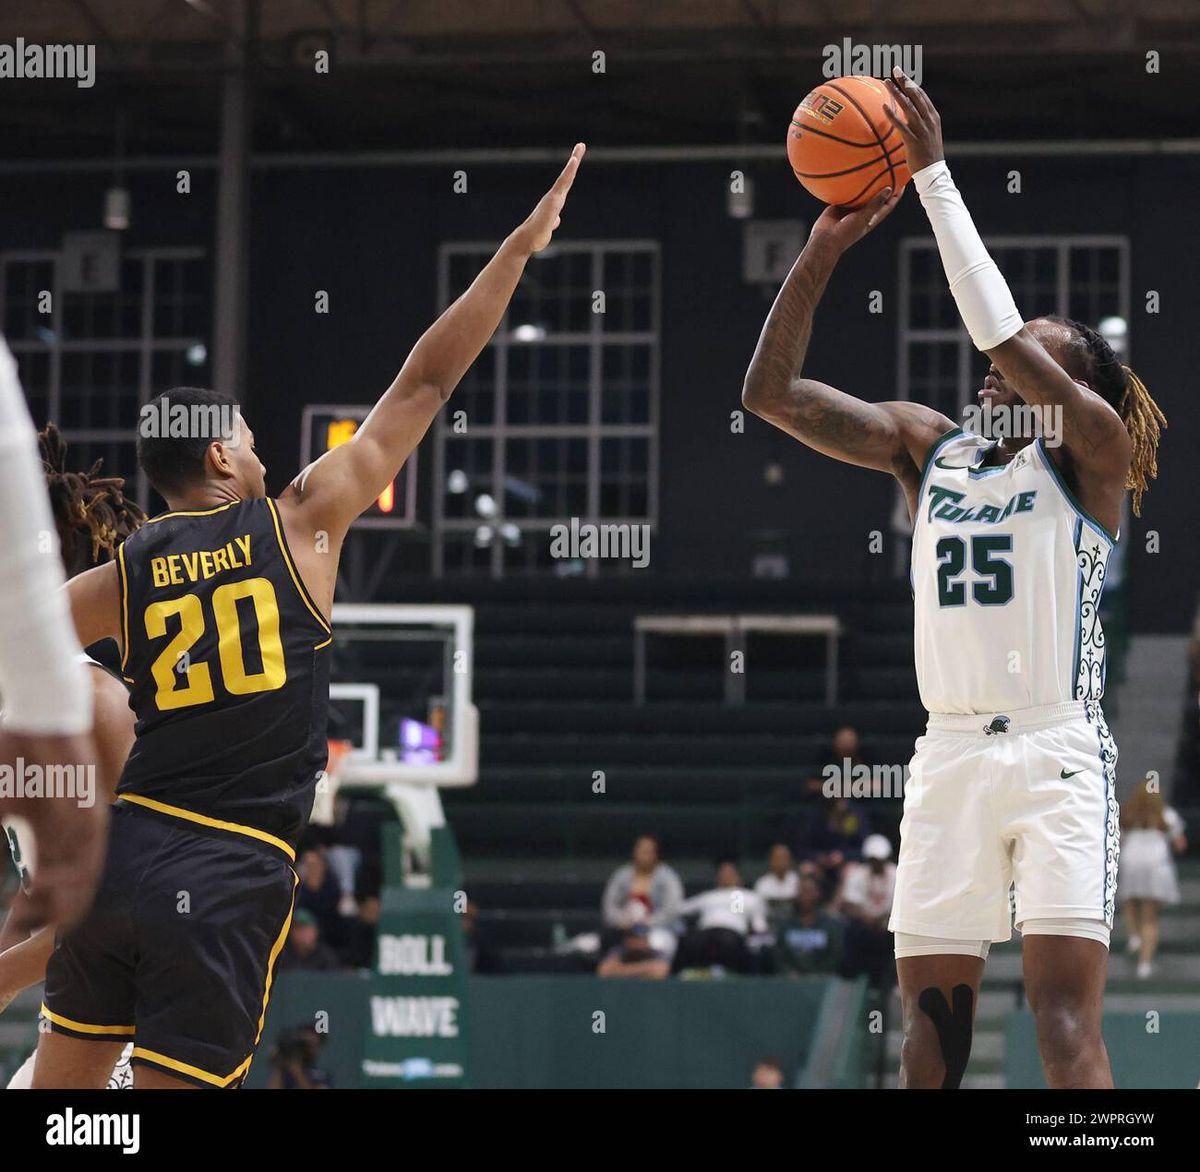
<point x="173" y="661"/>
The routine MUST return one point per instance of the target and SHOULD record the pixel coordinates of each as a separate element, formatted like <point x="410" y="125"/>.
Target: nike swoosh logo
<point x="950" y="467"/>
<point x="1064" y="774"/>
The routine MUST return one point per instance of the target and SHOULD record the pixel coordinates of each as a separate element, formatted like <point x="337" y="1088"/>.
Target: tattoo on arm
<point x="783" y="344"/>
<point x="819" y="415"/>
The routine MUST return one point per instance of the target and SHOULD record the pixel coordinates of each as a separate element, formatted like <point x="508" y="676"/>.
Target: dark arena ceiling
<point x="422" y="74"/>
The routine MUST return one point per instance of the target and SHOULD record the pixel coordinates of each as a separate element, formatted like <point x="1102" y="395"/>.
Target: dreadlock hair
<point x="91" y="512"/>
<point x="1092" y="359"/>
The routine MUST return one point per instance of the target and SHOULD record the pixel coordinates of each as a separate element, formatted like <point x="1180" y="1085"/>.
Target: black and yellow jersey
<point x="227" y="659"/>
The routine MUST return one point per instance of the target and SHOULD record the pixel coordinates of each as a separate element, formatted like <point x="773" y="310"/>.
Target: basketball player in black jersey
<point x="221" y="606"/>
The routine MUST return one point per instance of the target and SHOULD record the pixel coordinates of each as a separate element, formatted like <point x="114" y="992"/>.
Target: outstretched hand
<point x="846" y="226"/>
<point x="537" y="231"/>
<point x="921" y="126"/>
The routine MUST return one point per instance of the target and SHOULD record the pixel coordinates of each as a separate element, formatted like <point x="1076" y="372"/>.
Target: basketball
<point x="841" y="145"/>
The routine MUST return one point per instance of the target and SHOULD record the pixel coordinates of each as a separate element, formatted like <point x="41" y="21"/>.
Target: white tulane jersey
<point x="1007" y="572"/>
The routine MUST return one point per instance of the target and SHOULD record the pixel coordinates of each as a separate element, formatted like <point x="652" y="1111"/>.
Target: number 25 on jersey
<point x="991" y="581"/>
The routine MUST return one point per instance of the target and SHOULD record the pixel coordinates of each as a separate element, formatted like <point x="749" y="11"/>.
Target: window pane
<point x="625" y="390"/>
<point x="547" y="384"/>
<point x="465" y="557"/>
<point x="469" y="470"/>
<point x="545" y="403"/>
<point x="25" y="282"/>
<point x="118" y="453"/>
<point x="33" y="369"/>
<point x="100" y="388"/>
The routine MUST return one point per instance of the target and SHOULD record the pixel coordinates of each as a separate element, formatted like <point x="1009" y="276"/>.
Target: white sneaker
<point x="1133" y="944"/>
<point x="1144" y="969"/>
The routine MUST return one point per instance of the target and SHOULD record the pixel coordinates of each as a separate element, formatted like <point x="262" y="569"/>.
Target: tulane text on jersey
<point x="953" y="509"/>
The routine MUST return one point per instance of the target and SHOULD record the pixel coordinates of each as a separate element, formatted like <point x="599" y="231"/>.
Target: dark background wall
<point x="370" y="235"/>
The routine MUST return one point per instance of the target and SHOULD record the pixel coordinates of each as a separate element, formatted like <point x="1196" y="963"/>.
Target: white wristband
<point x="980" y="291"/>
<point x="44" y="687"/>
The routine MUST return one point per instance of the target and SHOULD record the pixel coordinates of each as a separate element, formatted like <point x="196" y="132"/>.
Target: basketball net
<point x="327" y="784"/>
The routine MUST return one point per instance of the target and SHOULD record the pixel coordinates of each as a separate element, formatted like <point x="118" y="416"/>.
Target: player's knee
<point x="1064" y="1029"/>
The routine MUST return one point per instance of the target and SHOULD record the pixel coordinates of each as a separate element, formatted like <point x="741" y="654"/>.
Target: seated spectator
<point x="304" y="951"/>
<point x="778" y="886"/>
<point x="812" y="869"/>
<point x="645" y="891"/>
<point x="358" y="947"/>
<point x="865" y="901"/>
<point x="834" y="836"/>
<point x="320" y="893"/>
<point x="768" y="1075"/>
<point x="844" y="750"/>
<point x="726" y="916"/>
<point x="810" y="940"/>
<point x="842" y="831"/>
<point x="847" y="745"/>
<point x="346" y="866"/>
<point x="635" y="956"/>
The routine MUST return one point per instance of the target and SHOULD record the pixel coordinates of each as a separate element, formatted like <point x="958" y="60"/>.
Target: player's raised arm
<point x="891" y="437"/>
<point x="335" y="489"/>
<point x="1093" y="433"/>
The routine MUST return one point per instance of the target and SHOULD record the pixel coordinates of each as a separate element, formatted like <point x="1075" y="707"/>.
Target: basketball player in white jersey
<point x="91" y="517"/>
<point x="1013" y="784"/>
<point x="48" y="702"/>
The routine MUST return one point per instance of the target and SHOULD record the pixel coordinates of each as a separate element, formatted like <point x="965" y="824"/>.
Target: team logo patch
<point x="999" y="724"/>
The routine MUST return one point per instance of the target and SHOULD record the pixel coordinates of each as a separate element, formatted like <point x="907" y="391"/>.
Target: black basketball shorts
<point x="178" y="951"/>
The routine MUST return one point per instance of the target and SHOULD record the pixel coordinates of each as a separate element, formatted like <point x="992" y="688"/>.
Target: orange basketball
<point x="841" y="145"/>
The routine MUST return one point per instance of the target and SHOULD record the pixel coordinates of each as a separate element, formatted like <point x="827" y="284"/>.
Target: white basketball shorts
<point x="1023" y="800"/>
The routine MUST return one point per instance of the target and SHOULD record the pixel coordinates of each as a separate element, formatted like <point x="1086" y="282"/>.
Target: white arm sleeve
<point x="43" y="683"/>
<point x="980" y="291"/>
